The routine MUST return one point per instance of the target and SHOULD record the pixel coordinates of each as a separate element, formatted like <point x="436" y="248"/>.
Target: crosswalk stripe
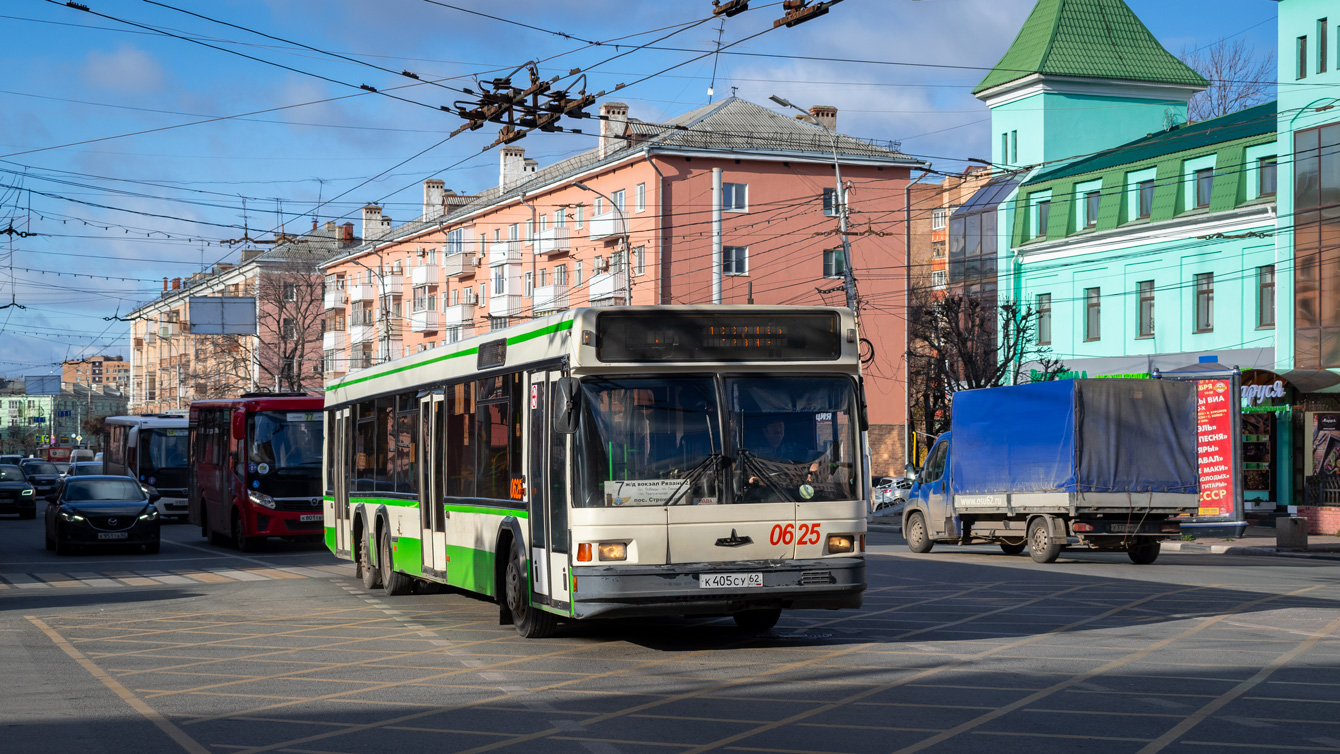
<point x="243" y="575"/>
<point x="24" y="581"/>
<point x="59" y="580"/>
<point x="177" y="576"/>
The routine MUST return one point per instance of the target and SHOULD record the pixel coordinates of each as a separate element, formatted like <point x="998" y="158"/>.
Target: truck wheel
<point x="394" y="582"/>
<point x="918" y="540"/>
<point x="1143" y="551"/>
<point x="1013" y="548"/>
<point x="1042" y="546"/>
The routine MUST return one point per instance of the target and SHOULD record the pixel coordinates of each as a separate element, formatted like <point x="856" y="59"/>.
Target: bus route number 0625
<point x="785" y="534"/>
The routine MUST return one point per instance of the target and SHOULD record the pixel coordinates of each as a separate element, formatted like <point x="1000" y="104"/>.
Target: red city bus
<point x="58" y="454"/>
<point x="256" y="468"/>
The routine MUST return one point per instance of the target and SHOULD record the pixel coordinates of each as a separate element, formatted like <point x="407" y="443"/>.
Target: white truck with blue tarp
<point x="1103" y="464"/>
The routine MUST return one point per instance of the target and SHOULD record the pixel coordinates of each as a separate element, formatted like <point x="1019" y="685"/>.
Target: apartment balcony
<point x="609" y="287"/>
<point x="458" y="265"/>
<point x="551" y="298"/>
<point x="553" y="240"/>
<point x="335" y="363"/>
<point x="506" y="305"/>
<point x="335" y="340"/>
<point x="460" y="315"/>
<point x="392" y="285"/>
<point x="607" y="225"/>
<point x="504" y="252"/>
<point x="426" y="274"/>
<point x="336" y="298"/>
<point x="423" y="321"/>
<point x="362" y="292"/>
<point x="363" y="334"/>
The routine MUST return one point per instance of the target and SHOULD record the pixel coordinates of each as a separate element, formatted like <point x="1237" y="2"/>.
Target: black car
<point x="42" y="475"/>
<point x="101" y="510"/>
<point x="16" y="495"/>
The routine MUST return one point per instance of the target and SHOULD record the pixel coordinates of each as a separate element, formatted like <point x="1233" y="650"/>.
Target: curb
<point x="1255" y="551"/>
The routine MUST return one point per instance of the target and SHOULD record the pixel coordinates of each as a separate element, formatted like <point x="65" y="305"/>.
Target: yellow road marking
<point x="152" y="715"/>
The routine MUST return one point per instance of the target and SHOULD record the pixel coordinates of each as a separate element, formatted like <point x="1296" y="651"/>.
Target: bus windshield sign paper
<point x="642" y="491"/>
<point x="1215" y="446"/>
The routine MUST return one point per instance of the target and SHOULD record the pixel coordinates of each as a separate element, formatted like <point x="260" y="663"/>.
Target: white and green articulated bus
<point x="611" y="462"/>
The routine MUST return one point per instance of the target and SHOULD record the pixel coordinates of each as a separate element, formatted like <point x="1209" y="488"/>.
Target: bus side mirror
<point x="239" y="426"/>
<point x="567" y="405"/>
<point x="863" y="415"/>
<point x="132" y="437"/>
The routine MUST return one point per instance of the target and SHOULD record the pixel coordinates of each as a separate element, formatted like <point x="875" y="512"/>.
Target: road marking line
<point x="59" y="579"/>
<point x="163" y="724"/>
<point x="242" y="575"/>
<point x="24" y="581"/>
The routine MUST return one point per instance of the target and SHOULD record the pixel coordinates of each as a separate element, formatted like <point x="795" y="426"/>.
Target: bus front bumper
<point x="626" y="591"/>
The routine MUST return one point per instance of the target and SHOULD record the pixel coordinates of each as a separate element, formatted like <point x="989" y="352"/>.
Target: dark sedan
<point x="16" y="495"/>
<point x="101" y="510"/>
<point x="42" y="475"/>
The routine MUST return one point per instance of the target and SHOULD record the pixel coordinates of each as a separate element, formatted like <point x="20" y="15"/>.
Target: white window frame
<point x="734" y="197"/>
<point x="735" y="260"/>
<point x="640" y="198"/>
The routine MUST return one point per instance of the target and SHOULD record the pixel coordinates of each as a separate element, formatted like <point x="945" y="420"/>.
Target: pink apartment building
<point x="632" y="222"/>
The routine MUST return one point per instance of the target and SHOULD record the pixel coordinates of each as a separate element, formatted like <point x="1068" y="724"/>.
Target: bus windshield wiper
<point x="760" y="472"/>
<point x="712" y="462"/>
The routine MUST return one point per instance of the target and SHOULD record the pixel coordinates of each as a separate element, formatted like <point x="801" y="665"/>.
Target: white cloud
<point x="127" y="69"/>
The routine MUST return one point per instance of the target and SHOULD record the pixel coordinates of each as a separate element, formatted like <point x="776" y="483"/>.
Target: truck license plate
<point x="311" y="517"/>
<point x="113" y="535"/>
<point x="730" y="580"/>
<point x="1123" y="528"/>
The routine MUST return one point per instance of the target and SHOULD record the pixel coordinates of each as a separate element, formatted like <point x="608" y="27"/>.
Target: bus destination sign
<point x="776" y="336"/>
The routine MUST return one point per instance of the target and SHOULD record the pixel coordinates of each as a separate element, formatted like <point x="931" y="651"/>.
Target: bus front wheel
<point x="241" y="541"/>
<point x="530" y="622"/>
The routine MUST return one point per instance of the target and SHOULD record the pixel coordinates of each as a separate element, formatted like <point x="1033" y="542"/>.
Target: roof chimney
<point x="375" y="224"/>
<point x="613" y="127"/>
<point x="165" y="285"/>
<point x="433" y="200"/>
<point x="826" y="115"/>
<point x="330" y="225"/>
<point x="313" y="224"/>
<point x="176" y="284"/>
<point x="511" y="168"/>
<point x="347" y="233"/>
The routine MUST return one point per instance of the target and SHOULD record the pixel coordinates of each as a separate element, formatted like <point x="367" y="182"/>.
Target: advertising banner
<point x="1325" y="444"/>
<point x="1215" y="446"/>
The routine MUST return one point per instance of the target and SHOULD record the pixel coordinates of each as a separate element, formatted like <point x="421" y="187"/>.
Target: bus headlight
<point x="261" y="499"/>
<point x="838" y="543"/>
<point x="613" y="551"/>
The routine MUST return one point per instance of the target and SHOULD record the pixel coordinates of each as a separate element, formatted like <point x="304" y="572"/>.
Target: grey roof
<point x="732" y="125"/>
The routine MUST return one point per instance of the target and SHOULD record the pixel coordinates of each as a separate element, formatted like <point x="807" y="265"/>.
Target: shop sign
<point x="1255" y="395"/>
<point x="1215" y="447"/>
<point x="1326" y="444"/>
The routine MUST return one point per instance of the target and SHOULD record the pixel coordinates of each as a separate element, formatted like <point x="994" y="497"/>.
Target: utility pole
<point x="839" y="199"/>
<point x="383" y="303"/>
<point x="623" y="240"/>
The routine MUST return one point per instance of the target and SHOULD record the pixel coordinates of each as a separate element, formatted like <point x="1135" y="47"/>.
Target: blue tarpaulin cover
<point x="1075" y="436"/>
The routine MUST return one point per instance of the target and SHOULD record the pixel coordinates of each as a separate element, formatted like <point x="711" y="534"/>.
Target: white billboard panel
<point x="222" y="315"/>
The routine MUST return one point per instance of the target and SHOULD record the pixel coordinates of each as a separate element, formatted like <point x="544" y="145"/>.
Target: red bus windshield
<point x="284" y="451"/>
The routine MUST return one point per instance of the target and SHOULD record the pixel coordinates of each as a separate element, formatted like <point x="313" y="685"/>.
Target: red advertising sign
<point x="1215" y="447"/>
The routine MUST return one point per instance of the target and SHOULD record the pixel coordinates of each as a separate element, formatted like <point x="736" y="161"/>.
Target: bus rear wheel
<point x="530" y="622"/>
<point x="366" y="571"/>
<point x="394" y="582"/>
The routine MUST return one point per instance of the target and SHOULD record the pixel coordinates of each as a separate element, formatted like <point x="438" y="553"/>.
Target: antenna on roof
<point x="716" y="57"/>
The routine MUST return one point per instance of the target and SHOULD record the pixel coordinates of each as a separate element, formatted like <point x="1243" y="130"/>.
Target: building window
<point x="618" y="197"/>
<point x="513" y="232"/>
<point x="1265" y="296"/>
<point x="939" y="218"/>
<point x="1044" y="305"/>
<point x="530" y="230"/>
<point x="735" y="260"/>
<point x="1321" y="45"/>
<point x="1091" y="202"/>
<point x="581" y="214"/>
<point x="640" y="197"/>
<point x="1044" y="213"/>
<point x="1093" y="320"/>
<point x="1266" y="172"/>
<point x="530" y="285"/>
<point x="561" y="217"/>
<point x="1205" y="302"/>
<point x="1014" y="147"/>
<point x="939" y="279"/>
<point x="540" y="277"/>
<point x="639" y="260"/>
<point x="830" y="205"/>
<point x="561" y="275"/>
<point x="1145" y="291"/>
<point x="735" y="197"/>
<point x="1204" y="187"/>
<point x="1144" y="199"/>
<point x="835" y="263"/>
<point x="577" y="272"/>
<point x="1302" y="57"/>
<point x="1005" y="147"/>
<point x="499" y="282"/>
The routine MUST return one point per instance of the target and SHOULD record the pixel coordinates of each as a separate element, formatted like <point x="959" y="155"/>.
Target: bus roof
<point x="149" y="420"/>
<point x="551" y="338"/>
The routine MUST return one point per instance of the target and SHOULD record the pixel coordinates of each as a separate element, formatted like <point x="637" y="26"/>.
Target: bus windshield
<point x="284" y="451"/>
<point x="163" y="456"/>
<point x="665" y="441"/>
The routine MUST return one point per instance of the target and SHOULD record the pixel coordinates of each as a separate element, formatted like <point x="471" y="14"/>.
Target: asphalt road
<point x="201" y="649"/>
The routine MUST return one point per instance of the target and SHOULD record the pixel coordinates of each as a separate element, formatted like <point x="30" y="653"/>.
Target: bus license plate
<point x="311" y="517"/>
<point x="730" y="580"/>
<point x="113" y="535"/>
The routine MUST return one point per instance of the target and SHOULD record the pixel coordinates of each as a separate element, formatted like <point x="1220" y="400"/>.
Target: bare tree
<point x="962" y="342"/>
<point x="1239" y="78"/>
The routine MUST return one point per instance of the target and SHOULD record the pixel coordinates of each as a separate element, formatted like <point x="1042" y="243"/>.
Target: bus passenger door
<point x="432" y="513"/>
<point x="340" y="460"/>
<point x="546" y="483"/>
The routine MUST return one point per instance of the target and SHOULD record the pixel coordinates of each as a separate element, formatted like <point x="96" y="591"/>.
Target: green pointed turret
<point x="1089" y="39"/>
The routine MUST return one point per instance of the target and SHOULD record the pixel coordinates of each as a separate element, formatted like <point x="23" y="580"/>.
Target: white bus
<point x="612" y="462"/>
<point x="152" y="448"/>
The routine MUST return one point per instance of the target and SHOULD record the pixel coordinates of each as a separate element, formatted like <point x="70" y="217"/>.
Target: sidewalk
<point x="1258" y="540"/>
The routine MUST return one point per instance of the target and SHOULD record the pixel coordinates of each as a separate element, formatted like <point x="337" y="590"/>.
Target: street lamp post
<point x="623" y="220"/>
<point x="839" y="199"/>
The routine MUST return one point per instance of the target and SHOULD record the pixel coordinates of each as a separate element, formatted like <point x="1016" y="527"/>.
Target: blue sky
<point x="160" y="203"/>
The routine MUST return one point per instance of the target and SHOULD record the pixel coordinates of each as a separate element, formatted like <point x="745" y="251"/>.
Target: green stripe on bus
<point x="481" y="509"/>
<point x="522" y="338"/>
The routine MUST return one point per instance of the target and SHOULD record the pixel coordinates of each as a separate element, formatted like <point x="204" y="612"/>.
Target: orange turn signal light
<point x="584" y="552"/>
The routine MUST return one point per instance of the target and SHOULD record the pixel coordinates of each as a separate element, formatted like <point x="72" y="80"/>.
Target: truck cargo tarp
<point x="1076" y="436"/>
<point x="1137" y="436"/>
<point x="1014" y="439"/>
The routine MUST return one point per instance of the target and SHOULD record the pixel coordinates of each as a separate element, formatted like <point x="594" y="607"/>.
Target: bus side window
<point x="460" y="440"/>
<point x="558" y="486"/>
